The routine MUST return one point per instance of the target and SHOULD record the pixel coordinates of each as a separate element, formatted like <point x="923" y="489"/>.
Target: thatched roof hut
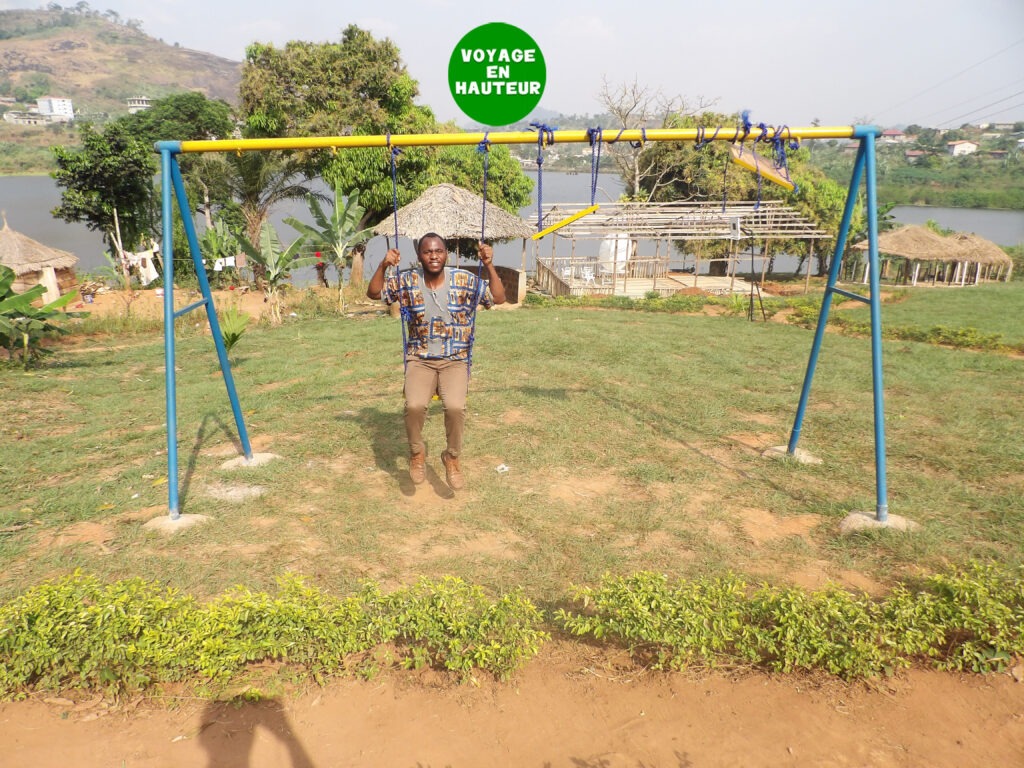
<point x="977" y="249"/>
<point x="970" y="255"/>
<point x="34" y="263"/>
<point x="914" y="243"/>
<point x="453" y="212"/>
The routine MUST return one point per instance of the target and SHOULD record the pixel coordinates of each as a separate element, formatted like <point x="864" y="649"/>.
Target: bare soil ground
<point x="574" y="706"/>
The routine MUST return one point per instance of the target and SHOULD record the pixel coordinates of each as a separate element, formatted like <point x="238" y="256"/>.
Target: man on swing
<point x="439" y="306"/>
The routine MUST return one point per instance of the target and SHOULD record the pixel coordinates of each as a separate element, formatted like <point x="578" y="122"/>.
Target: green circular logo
<point x="497" y="74"/>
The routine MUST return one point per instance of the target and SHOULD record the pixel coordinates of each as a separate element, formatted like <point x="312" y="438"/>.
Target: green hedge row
<point x="77" y="632"/>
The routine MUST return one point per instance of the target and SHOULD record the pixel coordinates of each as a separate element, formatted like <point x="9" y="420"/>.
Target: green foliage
<point x="967" y="619"/>
<point x="218" y="242"/>
<point x="24" y="326"/>
<point x="452" y="624"/>
<point x="233" y="323"/>
<point x="357" y="85"/>
<point x="251" y="184"/>
<point x="276" y="263"/>
<point x="77" y="632"/>
<point x="182" y="117"/>
<point x="675" y="303"/>
<point x="107" y="185"/>
<point x="335" y="235"/>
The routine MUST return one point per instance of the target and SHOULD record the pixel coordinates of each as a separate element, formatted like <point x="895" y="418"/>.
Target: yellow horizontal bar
<point x="755" y="162"/>
<point x="563" y="222"/>
<point x="609" y="136"/>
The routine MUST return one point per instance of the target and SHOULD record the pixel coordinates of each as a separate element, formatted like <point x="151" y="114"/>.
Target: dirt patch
<point x="762" y="526"/>
<point x="573" y="707"/>
<point x="88" y="533"/>
<point x="580" y="489"/>
<point x="148" y="304"/>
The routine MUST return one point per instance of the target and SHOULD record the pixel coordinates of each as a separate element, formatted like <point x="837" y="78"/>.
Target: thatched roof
<point x="916" y="243"/>
<point x="452" y="211"/>
<point x="25" y="255"/>
<point x="979" y="250"/>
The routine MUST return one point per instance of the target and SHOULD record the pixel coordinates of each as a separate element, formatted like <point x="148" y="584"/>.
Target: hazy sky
<point x="888" y="62"/>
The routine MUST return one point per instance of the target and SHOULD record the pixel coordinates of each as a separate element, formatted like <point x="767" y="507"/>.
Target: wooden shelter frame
<point x="173" y="188"/>
<point x="767" y="221"/>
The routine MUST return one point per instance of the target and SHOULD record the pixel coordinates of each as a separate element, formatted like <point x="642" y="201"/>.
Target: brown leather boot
<point x="453" y="472"/>
<point x="418" y="467"/>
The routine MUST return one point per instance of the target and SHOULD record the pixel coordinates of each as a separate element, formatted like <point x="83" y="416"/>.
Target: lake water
<point x="28" y="200"/>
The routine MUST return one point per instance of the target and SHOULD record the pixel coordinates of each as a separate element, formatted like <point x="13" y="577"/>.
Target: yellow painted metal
<point x="749" y="159"/>
<point x="563" y="222"/>
<point x="511" y="137"/>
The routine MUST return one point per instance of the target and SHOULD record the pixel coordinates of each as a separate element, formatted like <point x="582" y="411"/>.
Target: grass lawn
<point x="633" y="442"/>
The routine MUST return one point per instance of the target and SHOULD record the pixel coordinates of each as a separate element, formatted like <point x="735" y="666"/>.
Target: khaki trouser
<point x="450" y="380"/>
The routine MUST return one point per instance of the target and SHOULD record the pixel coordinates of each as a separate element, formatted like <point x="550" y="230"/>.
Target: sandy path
<point x="557" y="712"/>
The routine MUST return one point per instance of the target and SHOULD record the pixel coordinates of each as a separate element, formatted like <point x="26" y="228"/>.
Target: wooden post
<point x="807" y="278"/>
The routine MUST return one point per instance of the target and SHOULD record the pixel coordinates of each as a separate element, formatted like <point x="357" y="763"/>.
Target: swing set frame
<point x="173" y="188"/>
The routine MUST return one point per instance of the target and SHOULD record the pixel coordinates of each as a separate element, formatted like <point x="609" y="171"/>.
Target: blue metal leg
<point x="167" y="160"/>
<point x="882" y="505"/>
<point x="211" y="310"/>
<point x="826" y="303"/>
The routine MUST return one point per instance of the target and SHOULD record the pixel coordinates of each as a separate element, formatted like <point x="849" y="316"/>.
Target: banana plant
<point x="277" y="262"/>
<point x="335" y="236"/>
<point x="24" y="325"/>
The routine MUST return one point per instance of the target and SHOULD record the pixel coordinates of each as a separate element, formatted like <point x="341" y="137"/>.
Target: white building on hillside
<point x="139" y="103"/>
<point x="959" y="148"/>
<point x="55" y="109"/>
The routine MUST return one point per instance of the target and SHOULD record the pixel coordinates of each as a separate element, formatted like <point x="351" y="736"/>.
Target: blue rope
<point x="544" y="132"/>
<point x="484" y="147"/>
<point x="700" y="142"/>
<point x="779" y="148"/>
<point x="403" y="310"/>
<point x="594" y="135"/>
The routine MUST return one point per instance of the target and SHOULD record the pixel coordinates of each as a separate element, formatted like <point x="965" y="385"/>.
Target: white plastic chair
<point x="587" y="273"/>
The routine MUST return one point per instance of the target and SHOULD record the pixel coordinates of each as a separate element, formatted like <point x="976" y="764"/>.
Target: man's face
<point x="433" y="255"/>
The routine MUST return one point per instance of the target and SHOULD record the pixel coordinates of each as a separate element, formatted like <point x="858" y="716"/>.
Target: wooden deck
<point x="635" y="287"/>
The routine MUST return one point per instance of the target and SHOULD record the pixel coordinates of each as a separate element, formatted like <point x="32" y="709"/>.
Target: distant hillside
<point x="99" y="61"/>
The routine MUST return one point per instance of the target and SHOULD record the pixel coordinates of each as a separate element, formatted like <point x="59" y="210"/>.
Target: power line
<point x="968" y="101"/>
<point x="980" y="109"/>
<point x="1012" y="106"/>
<point x="953" y="77"/>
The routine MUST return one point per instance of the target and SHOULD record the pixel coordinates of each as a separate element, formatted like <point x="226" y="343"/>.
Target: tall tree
<point x="184" y="117"/>
<point x="359" y="86"/>
<point x="329" y="89"/>
<point x="108" y="185"/>
<point x="634" y="106"/>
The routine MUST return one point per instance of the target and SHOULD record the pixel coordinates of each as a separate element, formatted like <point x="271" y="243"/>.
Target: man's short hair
<point x="430" y="234"/>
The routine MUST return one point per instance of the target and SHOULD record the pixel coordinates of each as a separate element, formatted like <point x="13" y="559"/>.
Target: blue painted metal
<point x="190" y="307"/>
<point x="852" y="295"/>
<point x="826" y="303"/>
<point x="881" y="504"/>
<point x="167" y="159"/>
<point x="211" y="311"/>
